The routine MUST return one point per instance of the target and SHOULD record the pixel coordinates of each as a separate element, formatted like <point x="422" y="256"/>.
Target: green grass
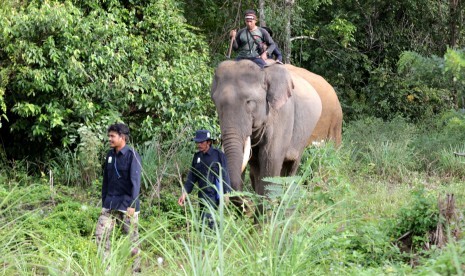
<point x="343" y="214"/>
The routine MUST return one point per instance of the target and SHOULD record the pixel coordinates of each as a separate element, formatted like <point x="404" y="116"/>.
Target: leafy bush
<point x="361" y="243"/>
<point x="322" y="167"/>
<point x="417" y="91"/>
<point x="449" y="261"/>
<point x="415" y="221"/>
<point x="69" y="70"/>
<point x="79" y="167"/>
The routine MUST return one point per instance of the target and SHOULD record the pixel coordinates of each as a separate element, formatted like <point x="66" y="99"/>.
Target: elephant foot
<point x="244" y="205"/>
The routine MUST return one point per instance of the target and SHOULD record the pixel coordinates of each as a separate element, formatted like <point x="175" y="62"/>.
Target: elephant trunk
<point x="233" y="145"/>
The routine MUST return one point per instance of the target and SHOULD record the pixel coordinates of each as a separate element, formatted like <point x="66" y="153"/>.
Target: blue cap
<point x="202" y="135"/>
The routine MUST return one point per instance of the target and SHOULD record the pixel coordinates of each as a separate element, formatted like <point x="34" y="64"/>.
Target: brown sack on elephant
<point x="330" y="124"/>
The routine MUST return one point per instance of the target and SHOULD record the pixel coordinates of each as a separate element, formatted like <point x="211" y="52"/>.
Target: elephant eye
<point x="250" y="105"/>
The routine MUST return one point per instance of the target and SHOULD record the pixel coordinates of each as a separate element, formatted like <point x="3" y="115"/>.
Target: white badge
<point x="109" y="160"/>
<point x="198" y="160"/>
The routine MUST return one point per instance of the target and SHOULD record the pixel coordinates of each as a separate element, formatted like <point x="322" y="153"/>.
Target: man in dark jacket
<point x="276" y="54"/>
<point x="249" y="42"/>
<point x="120" y="192"/>
<point x="209" y="171"/>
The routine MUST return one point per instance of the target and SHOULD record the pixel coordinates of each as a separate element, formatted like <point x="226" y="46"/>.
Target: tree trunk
<point x="454" y="14"/>
<point x="287" y="31"/>
<point x="261" y="12"/>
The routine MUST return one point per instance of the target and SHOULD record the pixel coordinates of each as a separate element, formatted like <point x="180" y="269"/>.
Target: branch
<point x="303" y="37"/>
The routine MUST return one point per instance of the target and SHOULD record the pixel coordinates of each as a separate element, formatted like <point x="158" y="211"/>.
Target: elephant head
<point x="245" y="95"/>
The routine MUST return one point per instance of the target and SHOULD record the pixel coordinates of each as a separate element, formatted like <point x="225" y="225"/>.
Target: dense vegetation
<point x="370" y="207"/>
<point x="69" y="70"/>
<point x="375" y="206"/>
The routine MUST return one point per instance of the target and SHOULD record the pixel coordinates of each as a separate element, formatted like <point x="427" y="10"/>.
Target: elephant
<point x="273" y="109"/>
<point x="330" y="124"/>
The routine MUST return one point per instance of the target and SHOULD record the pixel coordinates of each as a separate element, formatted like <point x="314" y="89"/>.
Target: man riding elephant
<point x="250" y="41"/>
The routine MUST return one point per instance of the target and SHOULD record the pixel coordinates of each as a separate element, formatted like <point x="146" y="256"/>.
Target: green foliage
<point x="83" y="165"/>
<point x="66" y="228"/>
<point x="166" y="208"/>
<point x="382" y="148"/>
<point x="65" y="70"/>
<point x="73" y="217"/>
<point x="416" y="220"/>
<point x="416" y="92"/>
<point x="357" y="49"/>
<point x="455" y="64"/>
<point x="438" y="139"/>
<point x="38" y="221"/>
<point x="395" y="149"/>
<point x="454" y="67"/>
<point x="368" y="243"/>
<point x="329" y="219"/>
<point x="3" y="109"/>
<point x="449" y="261"/>
<point x="321" y="167"/>
<point x="165" y="162"/>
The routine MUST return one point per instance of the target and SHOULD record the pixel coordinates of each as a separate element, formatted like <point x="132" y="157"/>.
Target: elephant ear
<point x="279" y="86"/>
<point x="214" y="85"/>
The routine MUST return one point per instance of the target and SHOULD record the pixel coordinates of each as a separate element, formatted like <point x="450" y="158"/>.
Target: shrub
<point x="383" y="148"/>
<point x="414" y="222"/>
<point x="70" y="69"/>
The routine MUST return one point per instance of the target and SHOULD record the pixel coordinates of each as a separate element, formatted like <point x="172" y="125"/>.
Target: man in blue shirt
<point x="208" y="170"/>
<point x="120" y="192"/>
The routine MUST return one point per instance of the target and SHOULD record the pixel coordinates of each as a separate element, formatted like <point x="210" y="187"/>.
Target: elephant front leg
<point x="254" y="169"/>
<point x="270" y="166"/>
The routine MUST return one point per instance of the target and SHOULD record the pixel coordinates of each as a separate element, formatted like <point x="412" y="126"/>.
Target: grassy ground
<point x="367" y="208"/>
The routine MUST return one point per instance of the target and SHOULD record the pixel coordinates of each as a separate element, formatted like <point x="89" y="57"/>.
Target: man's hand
<point x="232" y="34"/>
<point x="264" y="55"/>
<point x="130" y="211"/>
<point x="181" y="199"/>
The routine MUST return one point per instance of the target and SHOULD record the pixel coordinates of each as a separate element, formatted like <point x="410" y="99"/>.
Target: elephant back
<point x="330" y="124"/>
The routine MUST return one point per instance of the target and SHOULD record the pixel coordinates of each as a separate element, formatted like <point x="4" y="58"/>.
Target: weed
<point x="415" y="221"/>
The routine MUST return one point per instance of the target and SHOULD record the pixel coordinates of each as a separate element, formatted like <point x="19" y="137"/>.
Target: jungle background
<point x="390" y="200"/>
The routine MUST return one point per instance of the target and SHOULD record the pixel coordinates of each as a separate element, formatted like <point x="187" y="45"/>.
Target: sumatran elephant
<point x="330" y="124"/>
<point x="271" y="109"/>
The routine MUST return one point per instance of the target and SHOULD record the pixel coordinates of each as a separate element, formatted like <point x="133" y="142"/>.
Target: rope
<point x="262" y="130"/>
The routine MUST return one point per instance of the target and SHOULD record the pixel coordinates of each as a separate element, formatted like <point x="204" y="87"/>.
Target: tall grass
<point x="382" y="148"/>
<point x="336" y="216"/>
<point x="288" y="243"/>
<point x="12" y="229"/>
<point x="163" y="164"/>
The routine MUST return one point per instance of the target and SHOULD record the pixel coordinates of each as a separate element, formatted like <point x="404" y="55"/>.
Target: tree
<point x="64" y="68"/>
<point x="455" y="15"/>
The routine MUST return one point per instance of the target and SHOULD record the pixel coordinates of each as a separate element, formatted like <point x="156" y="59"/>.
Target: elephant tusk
<point x="247" y="148"/>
